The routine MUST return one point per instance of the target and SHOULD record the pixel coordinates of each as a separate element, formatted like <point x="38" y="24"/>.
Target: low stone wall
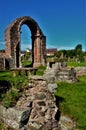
<point x="80" y="71"/>
<point x="35" y="110"/>
<point x="62" y="75"/>
<point x="56" y="65"/>
<point x="66" y="75"/>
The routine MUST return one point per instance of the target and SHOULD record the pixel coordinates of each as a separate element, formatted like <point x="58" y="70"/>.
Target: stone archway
<point x="12" y="42"/>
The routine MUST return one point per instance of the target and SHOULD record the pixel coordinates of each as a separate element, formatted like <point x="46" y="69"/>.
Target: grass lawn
<point x="16" y="84"/>
<point x="7" y="75"/>
<point x="40" y="70"/>
<point x="74" y="103"/>
<point x="26" y="63"/>
<point x="76" y="64"/>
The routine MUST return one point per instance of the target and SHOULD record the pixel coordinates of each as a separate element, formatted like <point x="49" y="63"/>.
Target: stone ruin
<point x="11" y="57"/>
<point x="37" y="108"/>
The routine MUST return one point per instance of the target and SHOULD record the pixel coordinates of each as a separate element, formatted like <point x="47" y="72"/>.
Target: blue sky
<point x="63" y="22"/>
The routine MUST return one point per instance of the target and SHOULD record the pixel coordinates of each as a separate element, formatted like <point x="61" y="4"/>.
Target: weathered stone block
<point x="2" y="63"/>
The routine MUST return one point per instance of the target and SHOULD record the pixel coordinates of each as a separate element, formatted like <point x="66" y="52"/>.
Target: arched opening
<point x="25" y="46"/>
<point x="13" y="45"/>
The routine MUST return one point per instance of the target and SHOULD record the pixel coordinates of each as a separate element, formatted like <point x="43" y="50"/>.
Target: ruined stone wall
<point x="2" y="63"/>
<point x="12" y="41"/>
<point x="80" y="71"/>
<point x="6" y="62"/>
<point x="2" y="54"/>
<point x="35" y="110"/>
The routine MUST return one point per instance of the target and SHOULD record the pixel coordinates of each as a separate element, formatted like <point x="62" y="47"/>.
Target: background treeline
<point x="76" y="54"/>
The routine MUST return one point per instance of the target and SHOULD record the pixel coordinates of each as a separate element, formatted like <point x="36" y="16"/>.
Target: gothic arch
<point x="12" y="42"/>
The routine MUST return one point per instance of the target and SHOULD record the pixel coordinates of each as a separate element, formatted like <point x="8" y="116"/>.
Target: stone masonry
<point x="38" y="108"/>
<point x="35" y="110"/>
<point x="12" y="42"/>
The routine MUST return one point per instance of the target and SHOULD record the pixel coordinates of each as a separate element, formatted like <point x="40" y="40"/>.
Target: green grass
<point x="16" y="84"/>
<point x="40" y="70"/>
<point x="2" y="126"/>
<point x="26" y="63"/>
<point x="17" y="81"/>
<point x="74" y="104"/>
<point x="76" y="64"/>
<point x="4" y="74"/>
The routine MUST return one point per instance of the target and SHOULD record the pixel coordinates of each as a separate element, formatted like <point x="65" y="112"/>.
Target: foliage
<point x="81" y="57"/>
<point x="27" y="55"/>
<point x="16" y="84"/>
<point x="9" y="98"/>
<point x="66" y="53"/>
<point x="26" y="60"/>
<point x="74" y="105"/>
<point x="75" y="54"/>
<point x="58" y="54"/>
<point x="14" y="81"/>
<point x="78" y="49"/>
<point x="4" y="74"/>
<point x="26" y="63"/>
<point x="3" y="126"/>
<point x="40" y="70"/>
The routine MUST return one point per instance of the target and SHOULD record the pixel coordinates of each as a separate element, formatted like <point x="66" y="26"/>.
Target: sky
<point x="63" y="22"/>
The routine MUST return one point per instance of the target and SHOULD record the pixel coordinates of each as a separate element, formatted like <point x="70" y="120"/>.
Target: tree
<point x="78" y="49"/>
<point x="79" y="53"/>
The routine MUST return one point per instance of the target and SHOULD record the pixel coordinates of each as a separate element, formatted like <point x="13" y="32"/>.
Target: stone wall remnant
<point x="2" y="63"/>
<point x="12" y="42"/>
<point x="35" y="110"/>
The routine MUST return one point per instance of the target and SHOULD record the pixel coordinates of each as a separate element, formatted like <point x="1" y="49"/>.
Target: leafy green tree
<point x="75" y="54"/>
<point x="78" y="49"/>
<point x="58" y="53"/>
